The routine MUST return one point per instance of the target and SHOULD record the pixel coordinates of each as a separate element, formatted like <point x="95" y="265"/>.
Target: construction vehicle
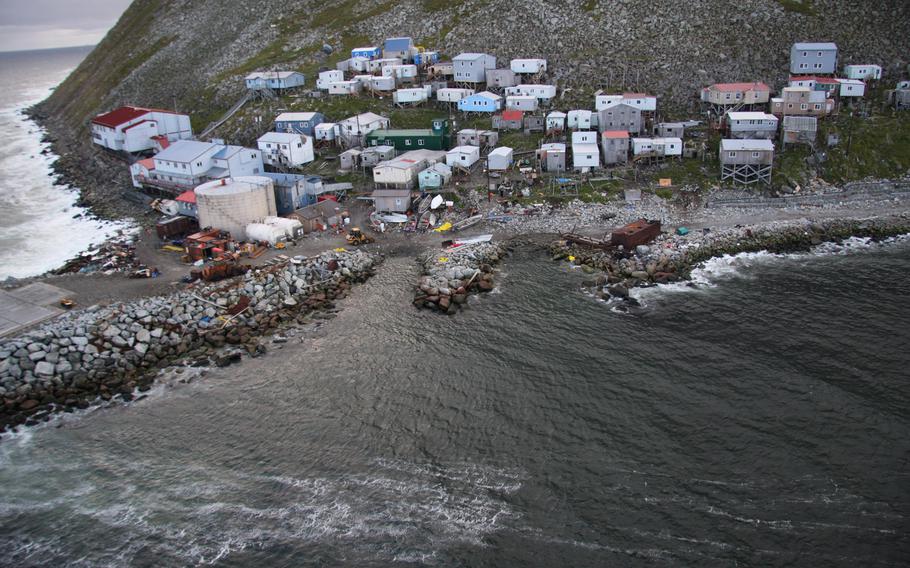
<point x="356" y="237"/>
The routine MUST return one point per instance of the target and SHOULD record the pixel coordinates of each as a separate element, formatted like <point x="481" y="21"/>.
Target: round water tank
<point x="231" y="204"/>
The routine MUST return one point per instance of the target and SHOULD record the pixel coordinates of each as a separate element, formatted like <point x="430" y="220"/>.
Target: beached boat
<point x="469" y="222"/>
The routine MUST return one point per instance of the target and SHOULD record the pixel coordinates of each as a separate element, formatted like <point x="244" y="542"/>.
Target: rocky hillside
<point x="193" y="53"/>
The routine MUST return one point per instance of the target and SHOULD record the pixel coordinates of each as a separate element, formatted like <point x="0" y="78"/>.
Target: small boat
<point x="437" y="201"/>
<point x="469" y="222"/>
<point x="472" y="240"/>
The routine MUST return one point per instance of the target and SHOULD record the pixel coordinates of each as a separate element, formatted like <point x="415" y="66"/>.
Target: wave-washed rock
<point x="450" y="276"/>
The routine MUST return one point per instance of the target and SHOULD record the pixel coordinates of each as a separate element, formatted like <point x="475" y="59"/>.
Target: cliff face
<point x="192" y="54"/>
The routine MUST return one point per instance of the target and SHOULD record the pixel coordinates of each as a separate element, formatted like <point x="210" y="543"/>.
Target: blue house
<point x="366" y="52"/>
<point x="277" y="80"/>
<point x="481" y="102"/>
<point x="434" y="177"/>
<point x="401" y="47"/>
<point x="298" y="122"/>
<point x="293" y="191"/>
<point x="426" y="58"/>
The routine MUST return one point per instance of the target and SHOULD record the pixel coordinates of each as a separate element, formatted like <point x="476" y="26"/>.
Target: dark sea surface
<point x="761" y="420"/>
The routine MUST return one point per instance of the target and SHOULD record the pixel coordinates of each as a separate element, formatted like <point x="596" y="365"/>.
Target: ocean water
<point x="38" y="231"/>
<point x="760" y="419"/>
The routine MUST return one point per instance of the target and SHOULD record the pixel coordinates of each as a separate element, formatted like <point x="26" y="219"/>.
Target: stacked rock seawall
<point x="114" y="351"/>
<point x="450" y="276"/>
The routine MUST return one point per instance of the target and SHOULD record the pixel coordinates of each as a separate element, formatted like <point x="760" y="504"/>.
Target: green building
<point x="435" y="138"/>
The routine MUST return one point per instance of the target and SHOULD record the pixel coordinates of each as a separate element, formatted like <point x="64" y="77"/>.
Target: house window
<point x="407" y="142"/>
<point x="818" y="107"/>
<point x="803" y="106"/>
<point x="805" y="54"/>
<point x="420" y="142"/>
<point x="803" y="65"/>
<point x="819" y="53"/>
<point x="754" y="154"/>
<point x="299" y="145"/>
<point x="732" y="154"/>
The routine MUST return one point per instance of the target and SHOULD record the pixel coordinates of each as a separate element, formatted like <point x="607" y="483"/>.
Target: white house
<point x="403" y="171"/>
<point x="544" y="93"/>
<point x="530" y="66"/>
<point x="448" y="95"/>
<point x="863" y="72"/>
<point x="286" y="149"/>
<point x="188" y="163"/>
<point x="641" y="101"/>
<point x="135" y="129"/>
<point x="411" y="96"/>
<point x="358" y="64"/>
<point x="326" y="131"/>
<point x="406" y="73"/>
<point x="518" y="102"/>
<point x="579" y="119"/>
<point x="363" y="124"/>
<point x="556" y="121"/>
<point x="277" y="80"/>
<point x="344" y="88"/>
<point x="499" y="159"/>
<point x="585" y="153"/>
<point x="326" y="78"/>
<point x="472" y="67"/>
<point x="379" y="84"/>
<point x="464" y="156"/>
<point x="851" y="88"/>
<point x="751" y="124"/>
<point x="658" y="147"/>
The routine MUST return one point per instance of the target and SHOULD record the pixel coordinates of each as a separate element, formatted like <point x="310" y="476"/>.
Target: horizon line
<point x="47" y="48"/>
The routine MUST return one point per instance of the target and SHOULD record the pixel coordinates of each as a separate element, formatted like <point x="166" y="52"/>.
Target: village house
<point x="556" y="121"/>
<point x="543" y="93"/>
<point x="518" y="102"/>
<point x="345" y="88"/>
<point x="815" y="58"/>
<point x="751" y="125"/>
<point x="863" y="72"/>
<point x="326" y="78"/>
<point x="371" y="52"/>
<point x="670" y="129"/>
<point x="356" y="64"/>
<point x="746" y="161"/>
<point x="552" y="157"/>
<point x="401" y="172"/>
<point x="426" y="58"/>
<point x="500" y="159"/>
<point x="827" y="85"/>
<point x="326" y="132"/>
<point x="377" y="65"/>
<point x="376" y="84"/>
<point x="501" y="78"/>
<point x="405" y="73"/>
<point x="411" y="96"/>
<point x="736" y="95"/>
<point x="441" y="70"/>
<point x="358" y="126"/>
<point x="472" y="67"/>
<point x="372" y="155"/>
<point x="508" y="120"/>
<point x="349" y="159"/>
<point x="448" y="95"/>
<point x="317" y="216"/>
<point x="615" y="147"/>
<point x="657" y="147"/>
<point x="801" y="101"/>
<point x="136" y="129"/>
<point x="579" y="119"/>
<point x="534" y="123"/>
<point x="799" y="130"/>
<point x="186" y="204"/>
<point x="399" y="47"/>
<point x="188" y="163"/>
<point x="286" y="149"/>
<point x="274" y="80"/>
<point x="435" y="177"/>
<point x="643" y="102"/>
<point x="479" y="138"/>
<point x="619" y="116"/>
<point x="391" y="200"/>
<point x="900" y="98"/>
<point x="851" y="88"/>
<point x="435" y="138"/>
<point x="585" y="154"/>
<point x="484" y="101"/>
<point x="463" y="156"/>
<point x="293" y="191"/>
<point x="528" y="66"/>
<point x="298" y="122"/>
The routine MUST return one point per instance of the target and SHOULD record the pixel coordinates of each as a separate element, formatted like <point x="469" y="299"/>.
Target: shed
<point x="556" y="121"/>
<point x="349" y="159"/>
<point x="474" y="137"/>
<point x="464" y="156"/>
<point x="391" y="200"/>
<point x="799" y="129"/>
<point x="508" y="120"/>
<point x="851" y="88"/>
<point x="670" y="129"/>
<point x="372" y="155"/>
<point x="435" y="177"/>
<point x="499" y="159"/>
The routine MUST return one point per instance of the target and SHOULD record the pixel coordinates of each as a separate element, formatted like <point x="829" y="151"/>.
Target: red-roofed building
<point x="827" y="84"/>
<point x="614" y="146"/>
<point x="508" y="120"/>
<point x="137" y="129"/>
<point x="141" y="170"/>
<point x="736" y="94"/>
<point x="186" y="203"/>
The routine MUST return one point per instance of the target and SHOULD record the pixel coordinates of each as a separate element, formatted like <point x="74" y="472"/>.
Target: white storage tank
<point x="231" y="204"/>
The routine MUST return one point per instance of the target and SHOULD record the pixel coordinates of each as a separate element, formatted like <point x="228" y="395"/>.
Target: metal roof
<point x="553" y="147"/>
<point x="732" y="145"/>
<point x="468" y="56"/>
<point x="734" y="87"/>
<point x="398" y="43"/>
<point x="292" y="116"/>
<point x="748" y="115"/>
<point x="400" y="132"/>
<point x="809" y="46"/>
<point x="124" y="114"/>
<point x="280" y="137"/>
<point x="185" y="151"/>
<point x="501" y="151"/>
<point x="512" y="115"/>
<point x="615" y="134"/>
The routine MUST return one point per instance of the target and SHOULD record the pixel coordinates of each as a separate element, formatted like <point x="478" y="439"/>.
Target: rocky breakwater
<point x="672" y="257"/>
<point x="451" y="275"/>
<point x="115" y="352"/>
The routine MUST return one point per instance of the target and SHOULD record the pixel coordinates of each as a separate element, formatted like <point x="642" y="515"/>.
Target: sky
<point x="42" y="24"/>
